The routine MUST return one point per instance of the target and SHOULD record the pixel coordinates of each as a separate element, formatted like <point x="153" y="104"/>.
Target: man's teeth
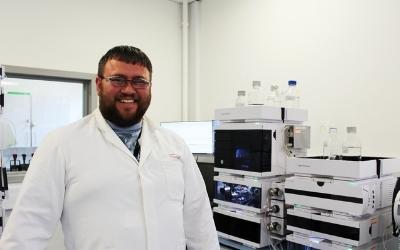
<point x="127" y="101"/>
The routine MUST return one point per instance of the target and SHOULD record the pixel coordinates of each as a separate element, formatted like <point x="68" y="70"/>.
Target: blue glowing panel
<point x="239" y="194"/>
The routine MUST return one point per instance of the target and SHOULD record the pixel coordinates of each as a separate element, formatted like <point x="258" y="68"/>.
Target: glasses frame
<point x="126" y="81"/>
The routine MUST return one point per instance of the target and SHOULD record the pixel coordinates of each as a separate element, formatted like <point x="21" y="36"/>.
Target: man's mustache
<point x="134" y="97"/>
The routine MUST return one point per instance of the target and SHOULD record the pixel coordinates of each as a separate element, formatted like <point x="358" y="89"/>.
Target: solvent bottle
<point x="292" y="98"/>
<point x="256" y="96"/>
<point x="352" y="144"/>
<point x="240" y="98"/>
<point x="331" y="145"/>
<point x="274" y="97"/>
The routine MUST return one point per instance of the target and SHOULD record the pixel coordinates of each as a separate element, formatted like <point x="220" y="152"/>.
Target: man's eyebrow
<point x="125" y="76"/>
<point x="119" y="75"/>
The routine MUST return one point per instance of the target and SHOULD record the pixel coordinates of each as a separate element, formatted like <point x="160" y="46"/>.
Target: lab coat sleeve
<point x="199" y="225"/>
<point x="40" y="201"/>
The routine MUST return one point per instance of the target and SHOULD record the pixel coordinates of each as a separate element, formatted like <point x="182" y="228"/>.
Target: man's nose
<point x="128" y="88"/>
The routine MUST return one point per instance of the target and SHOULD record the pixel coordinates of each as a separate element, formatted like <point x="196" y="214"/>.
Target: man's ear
<point x="98" y="84"/>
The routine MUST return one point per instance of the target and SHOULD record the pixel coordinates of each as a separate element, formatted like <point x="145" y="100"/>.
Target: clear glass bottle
<point x="331" y="145"/>
<point x="274" y="98"/>
<point x="240" y="98"/>
<point x="352" y="144"/>
<point x="256" y="96"/>
<point x="292" y="98"/>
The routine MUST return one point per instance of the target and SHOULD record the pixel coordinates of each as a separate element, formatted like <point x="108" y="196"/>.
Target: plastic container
<point x="352" y="144"/>
<point x="292" y="98"/>
<point x="331" y="145"/>
<point x="256" y="96"/>
<point x="240" y="98"/>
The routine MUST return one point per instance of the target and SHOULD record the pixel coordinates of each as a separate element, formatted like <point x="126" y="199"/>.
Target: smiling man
<point x="121" y="103"/>
<point x="114" y="179"/>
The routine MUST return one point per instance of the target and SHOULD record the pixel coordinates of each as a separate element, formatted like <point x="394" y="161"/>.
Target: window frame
<point x="88" y="81"/>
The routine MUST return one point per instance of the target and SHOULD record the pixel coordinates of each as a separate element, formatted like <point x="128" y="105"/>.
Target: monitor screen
<point x="198" y="135"/>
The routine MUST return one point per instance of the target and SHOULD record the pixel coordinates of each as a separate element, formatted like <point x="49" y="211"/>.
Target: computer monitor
<point x="198" y="135"/>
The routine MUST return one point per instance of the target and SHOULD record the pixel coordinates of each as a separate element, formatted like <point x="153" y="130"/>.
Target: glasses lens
<point x="117" y="81"/>
<point x="140" y="83"/>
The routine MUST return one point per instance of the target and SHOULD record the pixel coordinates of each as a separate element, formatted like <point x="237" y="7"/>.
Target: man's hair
<point x="127" y="54"/>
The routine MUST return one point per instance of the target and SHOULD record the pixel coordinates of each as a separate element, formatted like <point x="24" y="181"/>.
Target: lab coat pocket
<point x="174" y="179"/>
<point x="181" y="245"/>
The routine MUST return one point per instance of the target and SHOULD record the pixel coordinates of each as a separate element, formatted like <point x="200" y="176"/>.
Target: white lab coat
<point x="84" y="175"/>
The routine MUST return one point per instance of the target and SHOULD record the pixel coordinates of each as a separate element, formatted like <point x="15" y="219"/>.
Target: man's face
<point x="123" y="106"/>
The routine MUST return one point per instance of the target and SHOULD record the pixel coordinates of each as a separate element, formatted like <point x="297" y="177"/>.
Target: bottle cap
<point x="256" y="84"/>
<point x="292" y="83"/>
<point x="274" y="87"/>
<point x="351" y="129"/>
<point x="332" y="130"/>
<point x="241" y="92"/>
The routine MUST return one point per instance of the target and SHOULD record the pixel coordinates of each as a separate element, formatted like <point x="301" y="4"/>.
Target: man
<point x="114" y="179"/>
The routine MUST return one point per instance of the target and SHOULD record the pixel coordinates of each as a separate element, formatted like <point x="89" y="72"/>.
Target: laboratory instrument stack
<point x="3" y="174"/>
<point x="250" y="151"/>
<point x="3" y="191"/>
<point x="2" y="76"/>
<point x="341" y="203"/>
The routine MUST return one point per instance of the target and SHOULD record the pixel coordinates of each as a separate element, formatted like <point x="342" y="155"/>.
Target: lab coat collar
<point x="109" y="134"/>
<point x="146" y="139"/>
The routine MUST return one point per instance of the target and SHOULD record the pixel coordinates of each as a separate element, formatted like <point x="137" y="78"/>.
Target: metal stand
<point x="238" y="246"/>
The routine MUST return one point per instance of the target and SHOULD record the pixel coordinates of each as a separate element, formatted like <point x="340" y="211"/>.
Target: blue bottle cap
<point x="292" y="83"/>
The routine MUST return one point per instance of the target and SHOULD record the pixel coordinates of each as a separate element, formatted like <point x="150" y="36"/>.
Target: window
<point x="38" y="101"/>
<point x="35" y="107"/>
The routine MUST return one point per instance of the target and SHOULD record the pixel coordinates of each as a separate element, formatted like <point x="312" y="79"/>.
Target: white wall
<point x="344" y="54"/>
<point x="73" y="35"/>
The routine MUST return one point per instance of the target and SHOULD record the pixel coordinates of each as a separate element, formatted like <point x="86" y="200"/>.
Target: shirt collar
<point x="132" y="129"/>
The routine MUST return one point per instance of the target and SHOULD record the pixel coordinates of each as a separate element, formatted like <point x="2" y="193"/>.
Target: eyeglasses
<point x="117" y="81"/>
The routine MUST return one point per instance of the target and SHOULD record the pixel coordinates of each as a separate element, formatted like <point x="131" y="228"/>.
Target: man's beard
<point x="110" y="112"/>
